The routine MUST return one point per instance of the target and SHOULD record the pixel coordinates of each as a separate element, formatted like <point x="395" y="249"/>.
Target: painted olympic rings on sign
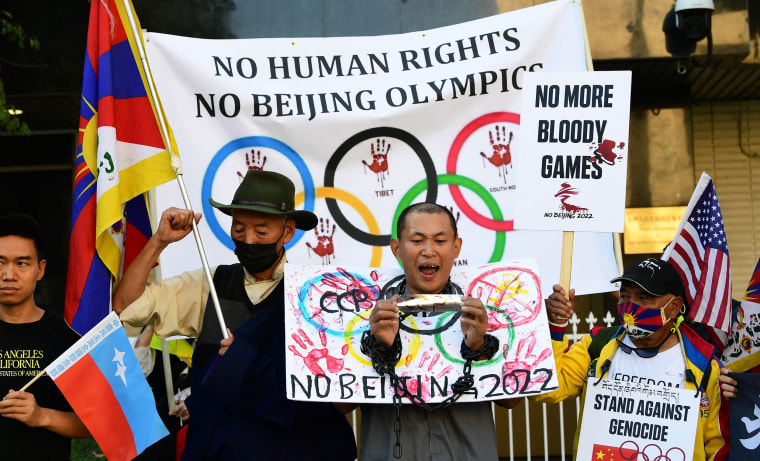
<point x="651" y="452"/>
<point x="244" y="143"/>
<point x="343" y="149"/>
<point x="456" y="358"/>
<point x="350" y="335"/>
<point x="477" y="188"/>
<point x="496" y="224"/>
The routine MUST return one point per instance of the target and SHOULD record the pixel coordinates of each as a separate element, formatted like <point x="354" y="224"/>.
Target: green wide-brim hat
<point x="268" y="192"/>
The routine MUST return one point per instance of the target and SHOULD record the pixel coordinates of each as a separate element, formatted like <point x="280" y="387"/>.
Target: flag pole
<point x="176" y="165"/>
<point x="26" y="386"/>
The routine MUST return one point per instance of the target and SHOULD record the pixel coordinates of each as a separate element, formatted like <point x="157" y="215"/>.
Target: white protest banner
<point x="573" y="151"/>
<point x="623" y="420"/>
<point x="328" y="307"/>
<point x="365" y="126"/>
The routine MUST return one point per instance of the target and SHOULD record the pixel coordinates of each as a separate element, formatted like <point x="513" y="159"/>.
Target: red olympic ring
<point x="451" y="168"/>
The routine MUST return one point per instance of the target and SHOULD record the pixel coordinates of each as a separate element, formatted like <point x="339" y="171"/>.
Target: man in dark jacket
<point x="238" y="406"/>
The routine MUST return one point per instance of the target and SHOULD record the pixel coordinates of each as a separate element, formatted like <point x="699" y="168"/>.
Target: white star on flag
<point x="118" y="357"/>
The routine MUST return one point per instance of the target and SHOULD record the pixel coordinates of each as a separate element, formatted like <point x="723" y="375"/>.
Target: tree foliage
<point x="12" y="31"/>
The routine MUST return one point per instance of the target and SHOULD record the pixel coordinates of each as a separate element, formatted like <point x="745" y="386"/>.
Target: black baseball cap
<point x="656" y="277"/>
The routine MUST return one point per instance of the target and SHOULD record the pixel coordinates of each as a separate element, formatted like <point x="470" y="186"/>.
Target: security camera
<point x="693" y="18"/>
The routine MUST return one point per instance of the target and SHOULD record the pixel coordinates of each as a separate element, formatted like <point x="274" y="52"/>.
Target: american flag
<point x="699" y="253"/>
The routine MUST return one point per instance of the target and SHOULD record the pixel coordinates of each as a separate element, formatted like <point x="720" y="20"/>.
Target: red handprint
<point x="324" y="247"/>
<point x="379" y="165"/>
<point x="524" y="362"/>
<point x="253" y="161"/>
<point x="502" y="155"/>
<point x="312" y="358"/>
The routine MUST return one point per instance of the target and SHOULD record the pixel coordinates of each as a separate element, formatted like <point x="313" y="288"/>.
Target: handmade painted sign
<point x="328" y="308"/>
<point x="624" y="420"/>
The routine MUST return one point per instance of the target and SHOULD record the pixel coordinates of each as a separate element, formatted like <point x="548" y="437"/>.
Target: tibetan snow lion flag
<point x="743" y="350"/>
<point x="121" y="154"/>
<point x="699" y="253"/>
<point x="101" y="379"/>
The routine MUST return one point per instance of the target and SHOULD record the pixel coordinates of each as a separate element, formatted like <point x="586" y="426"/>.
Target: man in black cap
<point x="238" y="407"/>
<point x="651" y="346"/>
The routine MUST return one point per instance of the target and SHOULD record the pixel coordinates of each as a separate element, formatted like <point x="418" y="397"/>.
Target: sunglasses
<point x="643" y="352"/>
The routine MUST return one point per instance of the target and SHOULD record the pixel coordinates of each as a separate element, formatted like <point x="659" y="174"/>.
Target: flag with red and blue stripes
<point x="699" y="252"/>
<point x="121" y="154"/>
<point x="102" y="381"/>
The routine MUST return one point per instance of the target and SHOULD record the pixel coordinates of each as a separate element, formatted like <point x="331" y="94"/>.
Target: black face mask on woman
<point x="257" y="257"/>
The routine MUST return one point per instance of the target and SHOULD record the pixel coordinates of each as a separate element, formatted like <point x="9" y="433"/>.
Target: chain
<point x="384" y="359"/>
<point x="397" y="423"/>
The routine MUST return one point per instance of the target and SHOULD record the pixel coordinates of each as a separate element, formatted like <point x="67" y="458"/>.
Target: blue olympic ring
<point x="242" y="143"/>
<point x="306" y="315"/>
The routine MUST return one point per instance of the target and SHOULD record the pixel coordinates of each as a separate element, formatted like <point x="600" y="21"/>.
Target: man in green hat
<point x="238" y="407"/>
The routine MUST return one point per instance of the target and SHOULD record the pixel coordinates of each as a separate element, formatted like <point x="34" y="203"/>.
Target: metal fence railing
<point x="556" y="433"/>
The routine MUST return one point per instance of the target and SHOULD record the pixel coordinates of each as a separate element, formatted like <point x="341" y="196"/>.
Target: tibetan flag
<point x="121" y="154"/>
<point x="101" y="379"/>
<point x="699" y="252"/>
<point x="742" y="352"/>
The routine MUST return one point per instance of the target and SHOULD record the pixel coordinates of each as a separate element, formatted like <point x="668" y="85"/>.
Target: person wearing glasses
<point x="653" y="345"/>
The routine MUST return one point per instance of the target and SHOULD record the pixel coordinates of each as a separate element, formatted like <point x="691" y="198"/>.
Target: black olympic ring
<point x="332" y="166"/>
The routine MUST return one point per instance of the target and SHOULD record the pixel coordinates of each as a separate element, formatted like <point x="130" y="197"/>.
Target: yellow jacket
<point x="574" y="367"/>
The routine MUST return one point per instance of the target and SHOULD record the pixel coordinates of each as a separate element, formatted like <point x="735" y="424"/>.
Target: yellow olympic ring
<point x="356" y="204"/>
<point x="414" y="347"/>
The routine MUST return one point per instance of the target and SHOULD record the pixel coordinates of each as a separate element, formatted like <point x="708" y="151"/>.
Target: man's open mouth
<point x="428" y="270"/>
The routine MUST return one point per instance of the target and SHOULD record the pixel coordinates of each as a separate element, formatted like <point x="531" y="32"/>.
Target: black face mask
<point x="257" y="257"/>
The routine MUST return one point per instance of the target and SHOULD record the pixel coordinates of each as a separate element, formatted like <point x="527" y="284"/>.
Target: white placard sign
<point x="328" y="307"/>
<point x="364" y="126"/>
<point x="573" y="151"/>
<point x="634" y="421"/>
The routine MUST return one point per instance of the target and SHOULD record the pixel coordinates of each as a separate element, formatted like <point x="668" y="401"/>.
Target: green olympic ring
<point x="457" y="180"/>
<point x="497" y="357"/>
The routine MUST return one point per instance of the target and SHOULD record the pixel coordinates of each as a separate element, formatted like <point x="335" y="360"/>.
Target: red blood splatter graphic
<point x="324" y="247"/>
<point x="253" y="161"/>
<point x="604" y="154"/>
<point x="501" y="156"/>
<point x="379" y="163"/>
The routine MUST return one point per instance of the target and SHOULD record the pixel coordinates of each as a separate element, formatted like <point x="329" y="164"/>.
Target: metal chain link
<point x="384" y="359"/>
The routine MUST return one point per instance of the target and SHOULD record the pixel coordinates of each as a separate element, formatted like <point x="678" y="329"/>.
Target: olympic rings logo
<point x="650" y="452"/>
<point x="331" y="194"/>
